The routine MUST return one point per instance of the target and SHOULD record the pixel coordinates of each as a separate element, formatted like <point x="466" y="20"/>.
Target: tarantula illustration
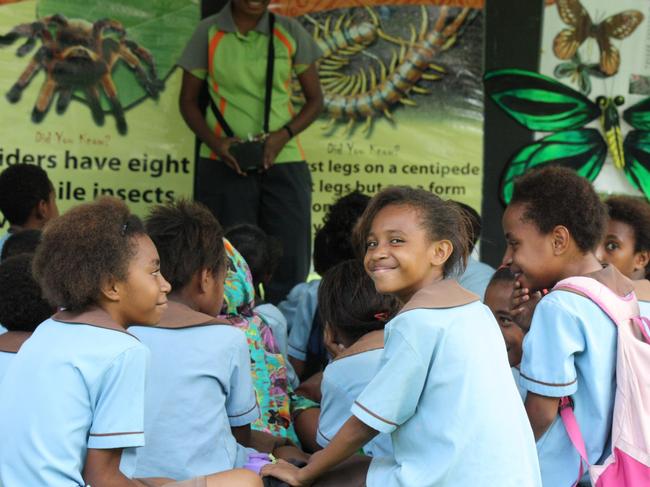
<point x="79" y="56"/>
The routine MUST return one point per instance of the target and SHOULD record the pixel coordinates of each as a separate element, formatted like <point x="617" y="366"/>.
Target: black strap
<point x="270" y="63"/>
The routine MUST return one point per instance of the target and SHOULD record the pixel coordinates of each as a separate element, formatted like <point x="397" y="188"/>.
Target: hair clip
<point x="383" y="316"/>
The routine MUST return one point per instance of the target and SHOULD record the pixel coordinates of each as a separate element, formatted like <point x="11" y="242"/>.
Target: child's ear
<point x="206" y="278"/>
<point x="641" y="259"/>
<point x="111" y="290"/>
<point x="560" y="239"/>
<point x="441" y="250"/>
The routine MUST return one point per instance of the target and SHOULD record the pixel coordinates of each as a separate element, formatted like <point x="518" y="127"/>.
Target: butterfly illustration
<point x="579" y="73"/>
<point x="581" y="27"/>
<point x="543" y="104"/>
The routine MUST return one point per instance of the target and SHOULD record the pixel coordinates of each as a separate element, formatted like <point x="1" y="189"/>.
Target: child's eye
<point x="396" y="240"/>
<point x="156" y="273"/>
<point x="611" y="246"/>
<point x="371" y="244"/>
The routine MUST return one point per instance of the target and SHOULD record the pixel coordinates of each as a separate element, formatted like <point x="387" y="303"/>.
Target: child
<point x="627" y="243"/>
<point x="332" y="244"/>
<point x="72" y="399"/>
<point x="200" y="383"/>
<point x="22" y="308"/>
<point x="552" y="226"/>
<point x="453" y="420"/>
<point x="262" y="254"/>
<point x="282" y="411"/>
<point x="498" y="297"/>
<point x="27" y="198"/>
<point x="477" y="274"/>
<point x="22" y="242"/>
<point x="354" y="315"/>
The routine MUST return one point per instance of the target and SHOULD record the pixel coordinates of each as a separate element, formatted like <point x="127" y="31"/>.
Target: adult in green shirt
<point x="228" y="51"/>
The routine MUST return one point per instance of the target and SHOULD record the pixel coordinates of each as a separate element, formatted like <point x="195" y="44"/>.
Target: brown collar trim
<point x="611" y="277"/>
<point x="373" y="340"/>
<point x="441" y="294"/>
<point x="94" y="317"/>
<point x="178" y="315"/>
<point x="11" y="341"/>
<point x="642" y="289"/>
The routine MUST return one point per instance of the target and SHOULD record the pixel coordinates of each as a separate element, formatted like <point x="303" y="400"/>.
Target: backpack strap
<point x="573" y="431"/>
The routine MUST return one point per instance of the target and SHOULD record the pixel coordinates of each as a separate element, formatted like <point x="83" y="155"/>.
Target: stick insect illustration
<point x="368" y="94"/>
<point x="581" y="27"/>
<point x="540" y="103"/>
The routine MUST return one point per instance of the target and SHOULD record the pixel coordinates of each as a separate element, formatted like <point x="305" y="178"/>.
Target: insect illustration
<point x="78" y="56"/>
<point x="578" y="73"/>
<point x="581" y="27"/>
<point x="540" y="103"/>
<point x="370" y="93"/>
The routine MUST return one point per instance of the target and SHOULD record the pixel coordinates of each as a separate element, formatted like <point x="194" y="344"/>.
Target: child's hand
<point x="286" y="472"/>
<point x="523" y="304"/>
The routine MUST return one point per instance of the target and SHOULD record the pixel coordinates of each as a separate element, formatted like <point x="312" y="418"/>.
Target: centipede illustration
<point x="366" y="93"/>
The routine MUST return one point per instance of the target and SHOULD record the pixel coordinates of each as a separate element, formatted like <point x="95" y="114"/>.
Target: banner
<point x="601" y="48"/>
<point x="403" y="97"/>
<point x="88" y="91"/>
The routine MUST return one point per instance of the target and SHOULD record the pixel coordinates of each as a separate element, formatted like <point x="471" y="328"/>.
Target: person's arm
<point x="350" y="438"/>
<point x="189" y="107"/>
<point x="102" y="469"/>
<point x="311" y="89"/>
<point x="542" y="411"/>
<point x="243" y="435"/>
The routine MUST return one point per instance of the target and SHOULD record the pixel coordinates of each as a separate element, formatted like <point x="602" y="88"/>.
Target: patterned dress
<point x="277" y="400"/>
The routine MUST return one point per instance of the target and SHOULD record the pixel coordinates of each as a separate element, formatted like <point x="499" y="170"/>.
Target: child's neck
<point x="184" y="298"/>
<point x="580" y="264"/>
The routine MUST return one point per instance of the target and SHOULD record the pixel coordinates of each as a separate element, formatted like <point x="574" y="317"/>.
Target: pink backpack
<point x="629" y="463"/>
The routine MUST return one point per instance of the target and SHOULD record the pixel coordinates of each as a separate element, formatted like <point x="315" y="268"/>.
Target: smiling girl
<point x="444" y="390"/>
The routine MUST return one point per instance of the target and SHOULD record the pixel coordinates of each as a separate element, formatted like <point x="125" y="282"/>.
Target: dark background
<point x="513" y="32"/>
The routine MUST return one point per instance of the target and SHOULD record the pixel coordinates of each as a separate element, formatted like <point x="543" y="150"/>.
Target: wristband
<point x="288" y="129"/>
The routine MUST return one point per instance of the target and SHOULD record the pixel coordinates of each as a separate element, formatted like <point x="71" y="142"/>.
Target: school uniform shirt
<point x="476" y="277"/>
<point x="515" y="375"/>
<point x="642" y="291"/>
<point x="2" y="330"/>
<point x="343" y="380"/>
<point x="10" y="343"/>
<point x="299" y="309"/>
<point x="445" y="394"/>
<point x="77" y="383"/>
<point x="273" y="317"/>
<point x="199" y="387"/>
<point x="570" y="350"/>
<point x="3" y="239"/>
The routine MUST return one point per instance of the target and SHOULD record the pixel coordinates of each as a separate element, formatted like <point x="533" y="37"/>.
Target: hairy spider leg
<point x="65" y="95"/>
<point x="44" y="99"/>
<point x="132" y="58"/>
<point x="92" y="96"/>
<point x="116" y="106"/>
<point x="34" y="66"/>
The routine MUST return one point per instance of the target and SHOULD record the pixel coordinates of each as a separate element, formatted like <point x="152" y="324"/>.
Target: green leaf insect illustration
<point x="543" y="104"/>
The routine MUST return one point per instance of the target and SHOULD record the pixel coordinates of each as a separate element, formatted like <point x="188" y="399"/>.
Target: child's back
<point x="199" y="387"/>
<point x="445" y="381"/>
<point x="80" y="396"/>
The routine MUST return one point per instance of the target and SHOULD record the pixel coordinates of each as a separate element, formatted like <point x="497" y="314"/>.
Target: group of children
<point x="142" y="353"/>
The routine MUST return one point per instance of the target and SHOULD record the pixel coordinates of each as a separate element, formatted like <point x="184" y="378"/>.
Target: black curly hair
<point x="333" y="241"/>
<point x="22" y="188"/>
<point x="22" y="307"/>
<point x="634" y="212"/>
<point x="21" y="242"/>
<point x="80" y="250"/>
<point x="443" y="220"/>
<point x="557" y="195"/>
<point x="188" y="238"/>
<point x="349" y="302"/>
<point x="474" y="221"/>
<point x="261" y="252"/>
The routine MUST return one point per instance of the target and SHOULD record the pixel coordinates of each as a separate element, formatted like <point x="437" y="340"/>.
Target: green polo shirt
<point x="235" y="68"/>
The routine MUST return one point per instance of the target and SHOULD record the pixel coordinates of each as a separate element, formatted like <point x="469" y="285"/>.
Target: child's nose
<point x="507" y="258"/>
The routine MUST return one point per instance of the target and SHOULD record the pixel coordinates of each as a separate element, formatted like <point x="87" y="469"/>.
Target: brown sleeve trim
<point x="118" y="434"/>
<point x="375" y="415"/>
<point x="546" y="383"/>
<point x="244" y="414"/>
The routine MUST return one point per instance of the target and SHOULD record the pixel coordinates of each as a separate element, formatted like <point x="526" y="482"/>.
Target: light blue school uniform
<point x="273" y="317"/>
<point x="445" y="393"/>
<point x="515" y="375"/>
<point x="299" y="309"/>
<point x="344" y="379"/>
<point x="2" y="330"/>
<point x="570" y="350"/>
<point x="10" y="343"/>
<point x="476" y="277"/>
<point x="3" y="239"/>
<point x="199" y="387"/>
<point x="77" y="383"/>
